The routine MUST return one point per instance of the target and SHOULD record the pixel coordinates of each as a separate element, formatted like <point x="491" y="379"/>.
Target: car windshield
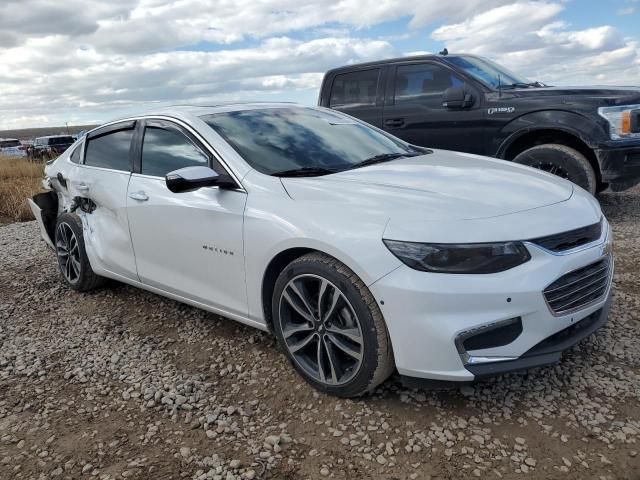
<point x="60" y="140"/>
<point x="282" y="139"/>
<point x="9" y="143"/>
<point x="490" y="73"/>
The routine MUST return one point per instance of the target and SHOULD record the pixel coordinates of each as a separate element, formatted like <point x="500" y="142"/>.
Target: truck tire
<point x="562" y="161"/>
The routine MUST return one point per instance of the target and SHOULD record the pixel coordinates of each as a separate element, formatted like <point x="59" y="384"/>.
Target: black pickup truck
<point x="49" y="147"/>
<point x="589" y="135"/>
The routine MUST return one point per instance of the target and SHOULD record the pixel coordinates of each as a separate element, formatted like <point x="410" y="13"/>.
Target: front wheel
<point x="562" y="161"/>
<point x="330" y="327"/>
<point x="72" y="257"/>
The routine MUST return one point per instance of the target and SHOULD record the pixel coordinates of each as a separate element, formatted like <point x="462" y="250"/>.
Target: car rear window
<point x="9" y="143"/>
<point x="355" y="88"/>
<point x="110" y="150"/>
<point x="75" y="155"/>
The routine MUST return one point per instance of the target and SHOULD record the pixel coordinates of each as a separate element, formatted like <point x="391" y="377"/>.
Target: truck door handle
<point x="394" y="122"/>
<point x="83" y="187"/>
<point x="140" y="196"/>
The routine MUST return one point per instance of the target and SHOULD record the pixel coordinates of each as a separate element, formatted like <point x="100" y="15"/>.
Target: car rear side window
<point x="424" y="83"/>
<point x="355" y="88"/>
<point x="75" y="155"/>
<point x="166" y="149"/>
<point x="110" y="150"/>
<point x="9" y="143"/>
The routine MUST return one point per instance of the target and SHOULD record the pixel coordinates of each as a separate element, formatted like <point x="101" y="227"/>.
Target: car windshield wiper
<point x="384" y="157"/>
<point x="305" y="172"/>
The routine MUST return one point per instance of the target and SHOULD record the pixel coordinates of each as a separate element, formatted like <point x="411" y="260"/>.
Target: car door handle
<point x="140" y="196"/>
<point x="394" y="122"/>
<point x="82" y="187"/>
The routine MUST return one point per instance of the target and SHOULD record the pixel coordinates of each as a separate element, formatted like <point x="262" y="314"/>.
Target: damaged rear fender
<point x="45" y="209"/>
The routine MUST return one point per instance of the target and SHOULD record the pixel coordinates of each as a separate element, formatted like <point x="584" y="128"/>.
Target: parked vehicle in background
<point x="589" y="135"/>
<point x="363" y="254"/>
<point x="50" y="146"/>
<point x="11" y="147"/>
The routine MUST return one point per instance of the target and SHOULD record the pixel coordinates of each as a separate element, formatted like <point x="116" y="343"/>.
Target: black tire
<point x="376" y="361"/>
<point x="563" y="161"/>
<point x="602" y="186"/>
<point x="78" y="275"/>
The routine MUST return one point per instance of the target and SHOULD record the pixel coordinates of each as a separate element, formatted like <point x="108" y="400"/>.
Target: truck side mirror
<point x="456" y="97"/>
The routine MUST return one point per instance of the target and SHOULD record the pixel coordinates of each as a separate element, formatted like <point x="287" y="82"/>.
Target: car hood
<point x="604" y="95"/>
<point x="441" y="185"/>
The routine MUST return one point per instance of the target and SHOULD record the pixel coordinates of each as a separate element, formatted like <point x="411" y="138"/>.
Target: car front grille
<point x="579" y="288"/>
<point x="560" y="242"/>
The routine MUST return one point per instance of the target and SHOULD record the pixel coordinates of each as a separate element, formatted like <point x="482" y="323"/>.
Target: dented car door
<point x="99" y="188"/>
<point x="189" y="244"/>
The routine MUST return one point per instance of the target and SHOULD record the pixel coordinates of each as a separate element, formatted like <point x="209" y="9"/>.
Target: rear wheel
<point x="72" y="257"/>
<point x="330" y="327"/>
<point x="562" y="161"/>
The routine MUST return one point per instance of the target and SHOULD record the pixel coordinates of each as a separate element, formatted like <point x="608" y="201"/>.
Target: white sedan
<point x="364" y="255"/>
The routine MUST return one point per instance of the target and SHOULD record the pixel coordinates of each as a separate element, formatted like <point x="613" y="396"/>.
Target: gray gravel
<point x="121" y="383"/>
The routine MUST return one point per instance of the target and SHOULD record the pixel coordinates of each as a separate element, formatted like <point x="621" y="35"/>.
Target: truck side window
<point x="355" y="88"/>
<point x="424" y="83"/>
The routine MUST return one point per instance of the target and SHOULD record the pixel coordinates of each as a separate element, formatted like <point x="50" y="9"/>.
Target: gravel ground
<point x="121" y="383"/>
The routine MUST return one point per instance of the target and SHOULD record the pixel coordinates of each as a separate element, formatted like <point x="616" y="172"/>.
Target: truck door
<point x="360" y="94"/>
<point x="413" y="109"/>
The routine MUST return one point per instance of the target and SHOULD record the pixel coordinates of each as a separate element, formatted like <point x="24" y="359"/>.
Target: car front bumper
<point x="427" y="314"/>
<point x="620" y="164"/>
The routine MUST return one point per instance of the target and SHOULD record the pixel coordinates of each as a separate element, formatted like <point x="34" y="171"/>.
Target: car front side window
<point x="167" y="149"/>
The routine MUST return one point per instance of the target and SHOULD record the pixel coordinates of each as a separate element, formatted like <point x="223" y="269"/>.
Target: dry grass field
<point x="19" y="179"/>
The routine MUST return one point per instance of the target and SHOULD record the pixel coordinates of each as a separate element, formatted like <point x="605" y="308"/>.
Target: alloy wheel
<point x="321" y="329"/>
<point x="68" y="252"/>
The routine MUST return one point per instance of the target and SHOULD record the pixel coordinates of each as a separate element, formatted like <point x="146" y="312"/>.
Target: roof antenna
<point x="444" y="52"/>
<point x="499" y="87"/>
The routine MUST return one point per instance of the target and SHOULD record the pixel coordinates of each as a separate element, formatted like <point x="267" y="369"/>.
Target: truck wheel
<point x="602" y="186"/>
<point x="562" y="161"/>
<point x="72" y="258"/>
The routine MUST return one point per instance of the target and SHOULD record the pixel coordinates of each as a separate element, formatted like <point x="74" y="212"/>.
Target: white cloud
<point x="93" y="81"/>
<point x="626" y="11"/>
<point x="529" y="38"/>
<point x="80" y="59"/>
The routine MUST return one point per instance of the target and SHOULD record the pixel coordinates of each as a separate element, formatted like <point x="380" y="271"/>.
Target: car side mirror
<point x="192" y="178"/>
<point x="457" y="97"/>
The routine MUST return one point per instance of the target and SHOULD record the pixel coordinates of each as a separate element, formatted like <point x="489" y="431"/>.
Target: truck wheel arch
<point x="522" y="140"/>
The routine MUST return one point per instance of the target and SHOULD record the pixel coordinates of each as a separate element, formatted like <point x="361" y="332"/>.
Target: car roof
<point x="184" y="112"/>
<point x="7" y="139"/>
<point x="199" y="110"/>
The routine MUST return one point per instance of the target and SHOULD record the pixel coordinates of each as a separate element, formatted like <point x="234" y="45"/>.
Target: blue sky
<point x="100" y="60"/>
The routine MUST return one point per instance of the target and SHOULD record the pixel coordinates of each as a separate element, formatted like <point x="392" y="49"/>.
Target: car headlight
<point x="460" y="258"/>
<point x="624" y="121"/>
